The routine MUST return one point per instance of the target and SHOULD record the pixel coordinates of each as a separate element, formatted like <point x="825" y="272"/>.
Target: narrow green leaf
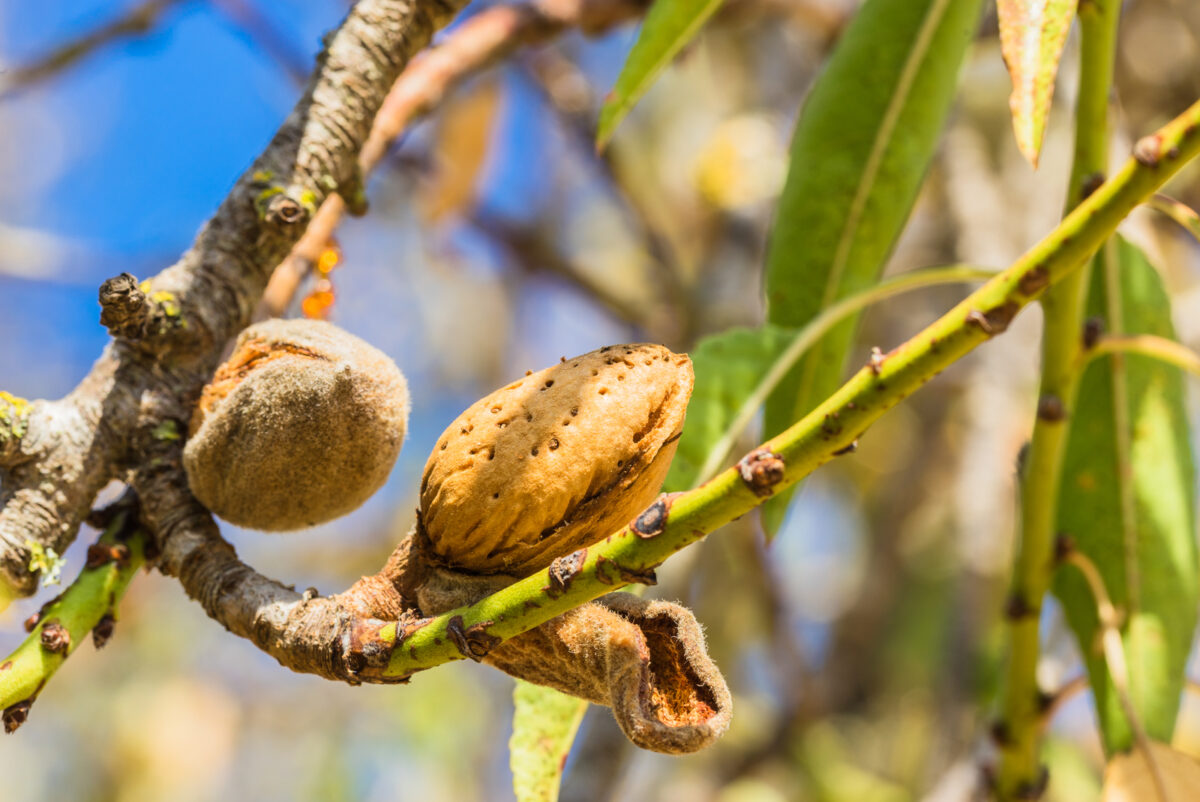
<point x="728" y="368"/>
<point x="862" y="145"/>
<point x="544" y="725"/>
<point x="1127" y="499"/>
<point x="1032" y="35"/>
<point x="669" y="25"/>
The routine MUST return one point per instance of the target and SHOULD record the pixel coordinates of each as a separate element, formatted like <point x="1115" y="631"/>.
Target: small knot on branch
<point x="994" y="321"/>
<point x="16" y="715"/>
<point x="124" y="307"/>
<point x="473" y="641"/>
<point x="56" y="639"/>
<point x="284" y="211"/>
<point x="761" y="470"/>
<point x="653" y="520"/>
<point x="1093" y="330"/>
<point x="563" y="571"/>
<point x="368" y="648"/>
<point x="1051" y="408"/>
<point x="103" y="631"/>
<point x="1150" y="151"/>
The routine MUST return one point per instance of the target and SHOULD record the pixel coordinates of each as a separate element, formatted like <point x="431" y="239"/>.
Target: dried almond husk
<point x="645" y="659"/>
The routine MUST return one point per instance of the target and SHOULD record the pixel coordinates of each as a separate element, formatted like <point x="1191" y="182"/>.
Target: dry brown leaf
<point x="647" y="660"/>
<point x="1131" y="778"/>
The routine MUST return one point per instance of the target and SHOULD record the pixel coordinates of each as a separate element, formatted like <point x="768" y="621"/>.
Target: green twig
<point x="1020" y="775"/>
<point x="1153" y="346"/>
<point x="1060" y="697"/>
<point x="818" y="327"/>
<point x="88" y="605"/>
<point x="1178" y="211"/>
<point x="673" y="523"/>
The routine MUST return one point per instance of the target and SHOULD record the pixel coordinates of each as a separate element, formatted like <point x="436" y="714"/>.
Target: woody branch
<point x="168" y="333"/>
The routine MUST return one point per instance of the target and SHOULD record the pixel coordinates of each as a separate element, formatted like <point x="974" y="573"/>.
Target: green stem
<point x="1150" y="345"/>
<point x="1114" y="656"/>
<point x="818" y="327"/>
<point x="78" y="610"/>
<point x="1020" y="775"/>
<point x="1178" y="211"/>
<point x="818" y="437"/>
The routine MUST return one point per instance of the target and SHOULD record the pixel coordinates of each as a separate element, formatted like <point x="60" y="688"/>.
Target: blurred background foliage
<point x="862" y="647"/>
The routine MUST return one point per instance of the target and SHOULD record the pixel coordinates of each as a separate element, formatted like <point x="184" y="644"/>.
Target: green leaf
<point x="862" y="145"/>
<point x="1032" y="35"/>
<point x="728" y="368"/>
<point x="669" y="25"/>
<point x="1127" y="499"/>
<point x="544" y="725"/>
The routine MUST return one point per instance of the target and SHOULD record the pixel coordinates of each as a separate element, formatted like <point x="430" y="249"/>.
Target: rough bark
<point x="169" y="332"/>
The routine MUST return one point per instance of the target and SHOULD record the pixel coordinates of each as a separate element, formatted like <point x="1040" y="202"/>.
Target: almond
<point x="554" y="461"/>
<point x="299" y="426"/>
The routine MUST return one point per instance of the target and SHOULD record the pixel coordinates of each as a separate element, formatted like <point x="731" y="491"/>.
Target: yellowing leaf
<point x="1130" y="777"/>
<point x="1032" y="35"/>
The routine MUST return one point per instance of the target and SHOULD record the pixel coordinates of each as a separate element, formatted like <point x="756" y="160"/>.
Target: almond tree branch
<point x="814" y="330"/>
<point x="820" y="435"/>
<point x="125" y="419"/>
<point x="169" y="332"/>
<point x="304" y="632"/>
<point x="374" y="632"/>
<point x="88" y="605"/>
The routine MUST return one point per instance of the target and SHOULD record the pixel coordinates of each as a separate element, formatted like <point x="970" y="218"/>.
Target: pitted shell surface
<point x="556" y="460"/>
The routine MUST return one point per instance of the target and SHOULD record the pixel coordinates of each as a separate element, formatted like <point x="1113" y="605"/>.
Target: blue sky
<point x="122" y="157"/>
